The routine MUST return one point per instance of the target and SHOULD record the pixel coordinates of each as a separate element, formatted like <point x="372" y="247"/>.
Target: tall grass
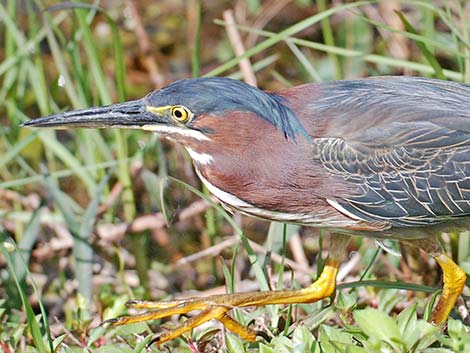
<point x="57" y="184"/>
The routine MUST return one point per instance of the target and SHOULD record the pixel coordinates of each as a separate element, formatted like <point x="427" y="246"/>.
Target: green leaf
<point x="406" y="320"/>
<point x="334" y="334"/>
<point x="282" y="344"/>
<point x="33" y="321"/>
<point x="459" y="336"/>
<point x="57" y="343"/>
<point x="302" y="339"/>
<point x="234" y="343"/>
<point x="428" y="334"/>
<point x="131" y="329"/>
<point x="114" y="349"/>
<point x="335" y="340"/>
<point x="376" y="324"/>
<point x="388" y="299"/>
<point x="265" y="349"/>
<point x="346" y="301"/>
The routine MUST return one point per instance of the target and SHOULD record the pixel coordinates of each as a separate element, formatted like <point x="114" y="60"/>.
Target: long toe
<point x="211" y="313"/>
<point x="216" y="307"/>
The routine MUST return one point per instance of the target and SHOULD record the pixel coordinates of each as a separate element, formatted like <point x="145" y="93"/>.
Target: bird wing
<point x="402" y="144"/>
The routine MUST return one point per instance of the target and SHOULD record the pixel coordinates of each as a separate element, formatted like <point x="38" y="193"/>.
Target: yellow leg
<point x="217" y="306"/>
<point x="454" y="277"/>
<point x="454" y="281"/>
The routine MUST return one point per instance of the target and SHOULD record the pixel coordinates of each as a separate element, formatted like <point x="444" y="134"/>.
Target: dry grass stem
<point x="239" y="48"/>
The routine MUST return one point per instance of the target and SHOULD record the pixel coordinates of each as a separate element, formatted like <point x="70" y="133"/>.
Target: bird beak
<point x="130" y="115"/>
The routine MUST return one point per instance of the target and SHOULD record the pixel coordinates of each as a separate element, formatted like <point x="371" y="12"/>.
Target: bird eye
<point x="181" y="114"/>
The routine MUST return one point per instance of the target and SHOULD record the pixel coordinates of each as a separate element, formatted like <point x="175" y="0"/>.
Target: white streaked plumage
<point x="200" y="158"/>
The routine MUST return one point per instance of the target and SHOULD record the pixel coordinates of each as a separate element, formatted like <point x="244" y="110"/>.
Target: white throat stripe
<point x="167" y="129"/>
<point x="200" y="158"/>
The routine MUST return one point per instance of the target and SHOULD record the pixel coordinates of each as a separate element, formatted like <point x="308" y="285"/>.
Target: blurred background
<point x="90" y="219"/>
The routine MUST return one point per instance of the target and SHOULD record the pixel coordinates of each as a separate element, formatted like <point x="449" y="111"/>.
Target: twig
<point x="348" y="266"/>
<point x="115" y="232"/>
<point x="298" y="253"/>
<point x="463" y="311"/>
<point x="211" y="251"/>
<point x="384" y="13"/>
<point x="216" y="249"/>
<point x="29" y="201"/>
<point x="116" y="190"/>
<point x="113" y="196"/>
<point x="279" y="259"/>
<point x="269" y="11"/>
<point x="143" y="41"/>
<point x="238" y="48"/>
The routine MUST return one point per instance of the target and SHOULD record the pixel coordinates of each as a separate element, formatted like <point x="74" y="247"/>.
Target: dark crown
<point x="217" y="95"/>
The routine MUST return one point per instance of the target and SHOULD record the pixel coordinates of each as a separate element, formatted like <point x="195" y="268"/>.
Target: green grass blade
<point x="257" y="66"/>
<point x="426" y="52"/>
<point x="83" y="251"/>
<point x="196" y="52"/>
<point x="26" y="244"/>
<point x="366" y="272"/>
<point x="50" y="142"/>
<point x="16" y="149"/>
<point x="24" y="51"/>
<point x="329" y="39"/>
<point x="81" y="228"/>
<point x="53" y="145"/>
<point x="388" y="285"/>
<point x="371" y="58"/>
<point x="426" y="39"/>
<point x="283" y="35"/>
<point x="33" y="325"/>
<point x="307" y="65"/>
<point x="63" y="204"/>
<point x="93" y="57"/>
<point x="253" y="258"/>
<point x="60" y="62"/>
<point x="446" y="17"/>
<point x="63" y="173"/>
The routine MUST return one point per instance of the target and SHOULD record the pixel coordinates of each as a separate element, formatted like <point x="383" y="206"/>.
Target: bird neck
<point x="249" y="159"/>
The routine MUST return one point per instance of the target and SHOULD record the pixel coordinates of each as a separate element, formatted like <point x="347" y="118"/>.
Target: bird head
<point x="188" y="111"/>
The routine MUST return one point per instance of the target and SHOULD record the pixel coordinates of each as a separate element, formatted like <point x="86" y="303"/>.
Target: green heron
<point x="384" y="157"/>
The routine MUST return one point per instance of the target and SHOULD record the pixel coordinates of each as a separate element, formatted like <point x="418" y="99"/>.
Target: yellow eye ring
<point x="181" y="114"/>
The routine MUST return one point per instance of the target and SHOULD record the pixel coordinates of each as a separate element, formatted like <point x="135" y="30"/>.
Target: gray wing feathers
<point x="398" y="186"/>
<point x="406" y="150"/>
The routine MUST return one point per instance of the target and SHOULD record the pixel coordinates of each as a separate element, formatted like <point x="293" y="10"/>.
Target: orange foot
<point x="454" y="281"/>
<point x="217" y="306"/>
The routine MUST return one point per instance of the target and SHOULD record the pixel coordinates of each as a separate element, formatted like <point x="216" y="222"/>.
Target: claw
<point x="132" y="302"/>
<point x="155" y="340"/>
<point x="112" y="322"/>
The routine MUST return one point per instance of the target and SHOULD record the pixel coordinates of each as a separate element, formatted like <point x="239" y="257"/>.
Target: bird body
<point x="382" y="157"/>
<point x="403" y="162"/>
